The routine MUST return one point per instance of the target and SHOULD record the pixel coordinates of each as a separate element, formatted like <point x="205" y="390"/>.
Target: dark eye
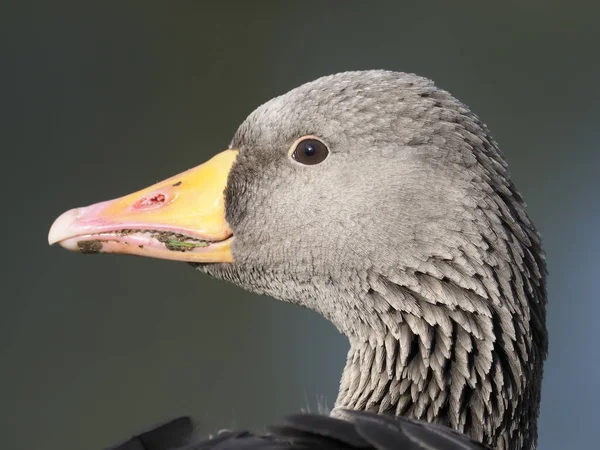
<point x="309" y="151"/>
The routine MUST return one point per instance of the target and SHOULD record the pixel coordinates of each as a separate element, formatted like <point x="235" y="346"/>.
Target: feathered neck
<point x="458" y="361"/>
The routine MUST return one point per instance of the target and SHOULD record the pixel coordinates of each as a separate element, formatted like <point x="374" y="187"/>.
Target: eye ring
<point x="309" y="150"/>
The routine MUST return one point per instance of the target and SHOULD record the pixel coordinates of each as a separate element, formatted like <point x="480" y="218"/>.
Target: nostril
<point x="150" y="202"/>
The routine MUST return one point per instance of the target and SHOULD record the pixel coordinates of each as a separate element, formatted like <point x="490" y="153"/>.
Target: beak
<point x="181" y="218"/>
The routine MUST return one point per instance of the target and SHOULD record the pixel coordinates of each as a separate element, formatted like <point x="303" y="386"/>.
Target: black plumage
<point x="359" y="431"/>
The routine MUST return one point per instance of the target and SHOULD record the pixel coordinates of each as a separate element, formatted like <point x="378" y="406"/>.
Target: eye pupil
<point x="310" y="151"/>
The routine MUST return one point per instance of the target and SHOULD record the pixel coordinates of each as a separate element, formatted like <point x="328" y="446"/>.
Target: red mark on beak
<point x="151" y="202"/>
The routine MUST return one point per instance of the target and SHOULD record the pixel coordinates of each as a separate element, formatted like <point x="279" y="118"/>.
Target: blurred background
<point x="102" y="99"/>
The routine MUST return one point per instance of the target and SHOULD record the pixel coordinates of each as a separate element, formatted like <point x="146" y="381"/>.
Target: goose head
<point x="382" y="203"/>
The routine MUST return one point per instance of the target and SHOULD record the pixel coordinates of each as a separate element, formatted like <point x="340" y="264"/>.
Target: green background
<point x="102" y="98"/>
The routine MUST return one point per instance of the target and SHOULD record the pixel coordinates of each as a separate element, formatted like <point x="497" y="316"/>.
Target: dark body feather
<point x="359" y="431"/>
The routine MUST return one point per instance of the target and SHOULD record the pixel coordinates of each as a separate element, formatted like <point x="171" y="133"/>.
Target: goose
<point x="381" y="202"/>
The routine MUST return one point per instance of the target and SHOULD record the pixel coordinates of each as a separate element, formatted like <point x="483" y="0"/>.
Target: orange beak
<point x="181" y="218"/>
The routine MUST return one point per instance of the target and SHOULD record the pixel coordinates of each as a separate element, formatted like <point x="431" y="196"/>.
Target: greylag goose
<point x="381" y="202"/>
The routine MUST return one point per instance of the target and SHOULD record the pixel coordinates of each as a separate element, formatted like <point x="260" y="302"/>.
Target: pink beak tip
<point x="60" y="229"/>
